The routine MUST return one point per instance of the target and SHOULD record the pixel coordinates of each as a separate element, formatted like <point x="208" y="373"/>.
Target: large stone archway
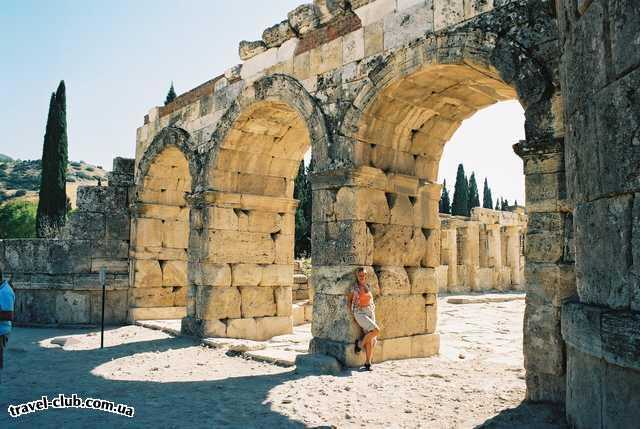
<point x="382" y="211"/>
<point x="160" y="229"/>
<point x="243" y="272"/>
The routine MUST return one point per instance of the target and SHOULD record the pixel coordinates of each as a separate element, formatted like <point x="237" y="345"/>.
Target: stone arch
<point x="244" y="280"/>
<point x="386" y="207"/>
<point x="160" y="228"/>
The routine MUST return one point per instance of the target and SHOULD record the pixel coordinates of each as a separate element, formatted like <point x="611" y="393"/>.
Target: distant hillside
<point x="22" y="178"/>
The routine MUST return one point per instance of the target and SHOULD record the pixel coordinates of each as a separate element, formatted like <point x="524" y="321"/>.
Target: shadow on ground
<point x="541" y="416"/>
<point x="229" y="402"/>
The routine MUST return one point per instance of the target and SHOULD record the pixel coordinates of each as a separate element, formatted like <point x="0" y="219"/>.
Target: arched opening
<point x="244" y="283"/>
<point x="389" y="207"/>
<point x="160" y="239"/>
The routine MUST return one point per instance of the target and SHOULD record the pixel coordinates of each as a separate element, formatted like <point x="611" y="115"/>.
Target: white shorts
<point x="366" y="318"/>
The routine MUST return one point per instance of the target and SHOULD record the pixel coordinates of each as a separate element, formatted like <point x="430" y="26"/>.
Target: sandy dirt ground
<point x="476" y="381"/>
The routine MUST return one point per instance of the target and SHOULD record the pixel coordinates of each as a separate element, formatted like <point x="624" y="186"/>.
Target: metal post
<point x="103" y="282"/>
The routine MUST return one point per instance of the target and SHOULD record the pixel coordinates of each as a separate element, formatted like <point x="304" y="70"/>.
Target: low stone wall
<point x="57" y="280"/>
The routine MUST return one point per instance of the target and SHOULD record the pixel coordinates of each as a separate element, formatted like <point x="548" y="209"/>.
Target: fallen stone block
<point x="316" y="364"/>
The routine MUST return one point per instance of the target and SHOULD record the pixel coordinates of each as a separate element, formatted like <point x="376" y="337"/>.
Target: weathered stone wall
<point x="375" y="89"/>
<point x="482" y="252"/>
<point x="57" y="280"/>
<point x="601" y="79"/>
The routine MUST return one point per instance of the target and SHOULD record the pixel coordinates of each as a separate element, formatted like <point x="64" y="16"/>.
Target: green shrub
<point x="18" y="219"/>
<point x="90" y="169"/>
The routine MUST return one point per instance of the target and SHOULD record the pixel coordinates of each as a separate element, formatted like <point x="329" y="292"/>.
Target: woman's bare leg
<point x="368" y="352"/>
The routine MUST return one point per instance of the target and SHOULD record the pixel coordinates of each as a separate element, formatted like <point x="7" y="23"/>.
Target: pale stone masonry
<point x="57" y="280"/>
<point x="482" y="252"/>
<point x="375" y="88"/>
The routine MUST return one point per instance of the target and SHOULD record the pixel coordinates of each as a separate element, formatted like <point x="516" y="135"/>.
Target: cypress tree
<point x="52" y="205"/>
<point x="474" y="196"/>
<point x="171" y="95"/>
<point x="445" y="204"/>
<point x="497" y="204"/>
<point x="487" y="200"/>
<point x="504" y="205"/>
<point x="302" y="192"/>
<point x="460" y="205"/>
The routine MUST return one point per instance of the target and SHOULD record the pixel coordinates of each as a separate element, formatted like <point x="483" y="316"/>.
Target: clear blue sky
<point x="119" y="57"/>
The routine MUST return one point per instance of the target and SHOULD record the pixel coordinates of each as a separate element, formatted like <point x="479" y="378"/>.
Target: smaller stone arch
<point x="161" y="228"/>
<point x="243" y="280"/>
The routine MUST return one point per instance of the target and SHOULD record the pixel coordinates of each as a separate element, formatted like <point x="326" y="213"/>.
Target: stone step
<point x="275" y="356"/>
<point x="483" y="299"/>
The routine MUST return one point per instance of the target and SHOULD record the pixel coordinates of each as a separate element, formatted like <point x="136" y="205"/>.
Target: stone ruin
<point x="375" y="89"/>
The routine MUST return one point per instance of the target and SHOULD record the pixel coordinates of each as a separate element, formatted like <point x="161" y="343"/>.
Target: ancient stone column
<point x="449" y="256"/>
<point x="362" y="217"/>
<point x="470" y="253"/>
<point x="512" y="237"/>
<point x="549" y="269"/>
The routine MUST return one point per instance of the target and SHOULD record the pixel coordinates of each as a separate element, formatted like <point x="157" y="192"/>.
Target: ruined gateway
<point x="375" y="89"/>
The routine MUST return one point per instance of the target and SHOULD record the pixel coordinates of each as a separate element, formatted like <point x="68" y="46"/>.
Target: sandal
<point x="356" y="347"/>
<point x="367" y="366"/>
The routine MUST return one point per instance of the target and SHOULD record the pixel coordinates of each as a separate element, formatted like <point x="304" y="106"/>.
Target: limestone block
<point x="286" y="51"/>
<point x="356" y="203"/>
<point x="401" y="209"/>
<point x="375" y="11"/>
<point x="147" y="274"/>
<point x="432" y="313"/>
<point x="175" y="234"/>
<point x="393" y="280"/>
<point x="552" y="283"/>
<point x="283" y="248"/>
<point x="269" y="327"/>
<point x="302" y="66"/>
<point x="118" y="225"/>
<point x="604" y="250"/>
<point x="151" y="297"/>
<point x="241" y="247"/>
<point x="416" y="249"/>
<point x="308" y="312"/>
<point x="156" y="313"/>
<point x="242" y="328"/>
<point x="543" y="344"/>
<point x="425" y="345"/>
<point x="297" y="315"/>
<point x="258" y="63"/>
<point x="344" y="352"/>
<point x="246" y="274"/>
<point x="397" y="245"/>
<point x="344" y="242"/>
<point x="304" y="18"/>
<point x="205" y="274"/>
<point x="428" y="200"/>
<point x="277" y="34"/>
<point x="432" y="256"/>
<point x="249" y="49"/>
<point x="213" y="328"/>
<point x="283" y="296"/>
<point x="217" y="303"/>
<point x="72" y="307"/>
<point x="317" y="364"/>
<point x="260" y="221"/>
<point x="423" y="280"/>
<point x="373" y="38"/>
<point x="110" y="265"/>
<point x="174" y="273"/>
<point x="258" y="301"/>
<point x="332" y="319"/>
<point x="300" y="279"/>
<point x="223" y="218"/>
<point x="400" y="315"/>
<point x="397" y="348"/>
<point x="442" y="278"/>
<point x="407" y="25"/>
<point x="276" y="275"/>
<point x="339" y="279"/>
<point x="353" y="46"/>
<point x="148" y="232"/>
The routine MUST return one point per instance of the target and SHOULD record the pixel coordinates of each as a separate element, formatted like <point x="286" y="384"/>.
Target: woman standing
<point x="360" y="302"/>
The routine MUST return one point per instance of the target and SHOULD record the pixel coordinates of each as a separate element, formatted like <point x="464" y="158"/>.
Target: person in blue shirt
<point x="7" y="302"/>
